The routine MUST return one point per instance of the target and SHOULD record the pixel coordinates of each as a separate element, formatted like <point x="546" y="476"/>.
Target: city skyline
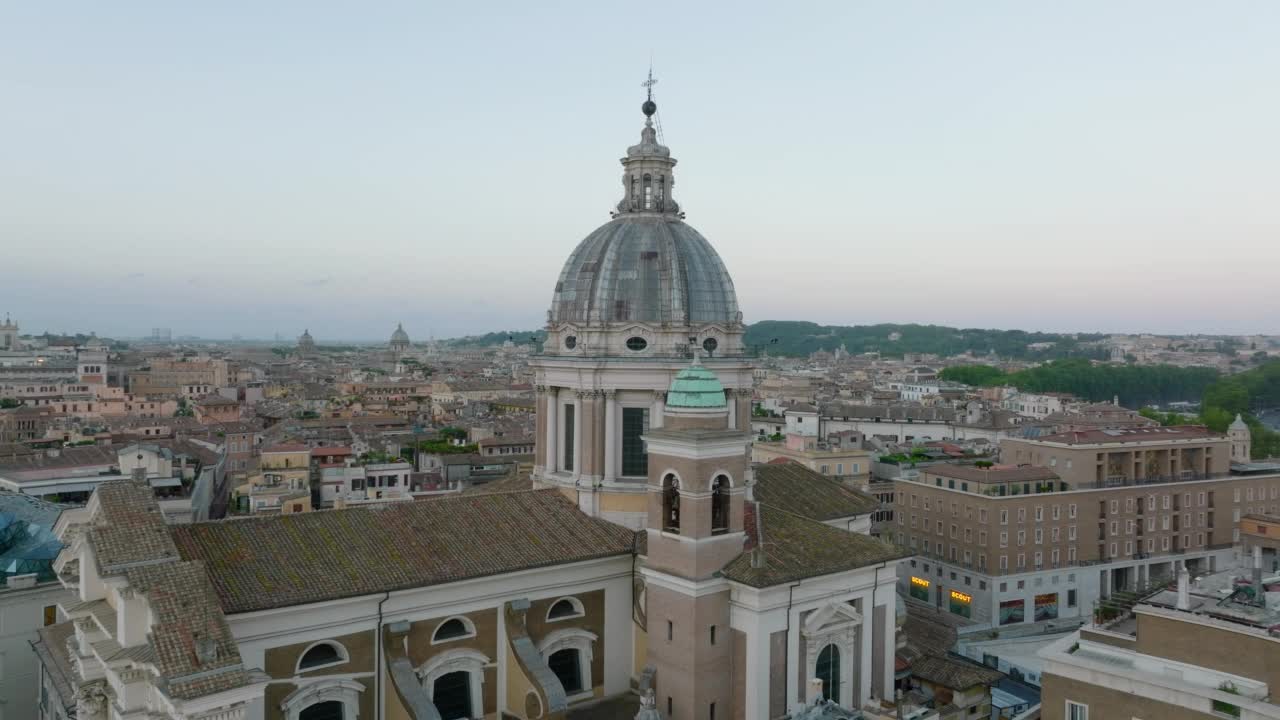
<point x="1078" y="169"/>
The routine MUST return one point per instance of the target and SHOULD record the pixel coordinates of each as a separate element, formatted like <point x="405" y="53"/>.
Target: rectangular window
<point x="50" y="615"/>
<point x="1046" y="607"/>
<point x="1012" y="611"/>
<point x="568" y="437"/>
<point x="713" y="634"/>
<point x="1071" y="510"/>
<point x="635" y="422"/>
<point x="670" y="630"/>
<point x="1077" y="711"/>
<point x="1071" y="598"/>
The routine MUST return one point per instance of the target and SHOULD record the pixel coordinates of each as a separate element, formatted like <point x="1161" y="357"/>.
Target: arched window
<point x="719" y="505"/>
<point x="828" y="671"/>
<point x="324" y="699"/>
<point x="648" y="192"/>
<point x="328" y="710"/>
<point x="568" y="653"/>
<point x="565" y="608"/>
<point x="454" y="682"/>
<point x="453" y="629"/>
<point x="322" y="654"/>
<point x="451" y="694"/>
<point x="567" y="665"/>
<point x="671" y="504"/>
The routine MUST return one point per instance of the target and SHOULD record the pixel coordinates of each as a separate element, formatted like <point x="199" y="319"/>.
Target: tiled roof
<point x="186" y="622"/>
<point x="797" y="489"/>
<point x="129" y="529"/>
<point x="278" y="561"/>
<point x="796" y="548"/>
<point x="952" y="672"/>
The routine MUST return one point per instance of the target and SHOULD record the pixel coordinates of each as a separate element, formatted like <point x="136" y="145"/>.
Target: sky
<point x="258" y="168"/>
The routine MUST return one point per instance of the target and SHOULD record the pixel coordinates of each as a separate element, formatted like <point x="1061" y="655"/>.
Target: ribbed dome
<point x="645" y="268"/>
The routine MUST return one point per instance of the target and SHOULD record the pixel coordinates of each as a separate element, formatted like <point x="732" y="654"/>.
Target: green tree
<point x="976" y="375"/>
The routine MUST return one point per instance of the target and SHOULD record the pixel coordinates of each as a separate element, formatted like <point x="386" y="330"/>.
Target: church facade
<point x="648" y="572"/>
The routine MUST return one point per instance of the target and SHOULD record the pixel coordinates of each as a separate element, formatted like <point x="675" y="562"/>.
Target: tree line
<point x="1136" y="385"/>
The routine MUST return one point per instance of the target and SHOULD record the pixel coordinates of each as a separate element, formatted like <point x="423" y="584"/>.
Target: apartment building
<point x="839" y="455"/>
<point x="1005" y="545"/>
<point x="282" y="483"/>
<point x="1115" y="456"/>
<point x="167" y="376"/>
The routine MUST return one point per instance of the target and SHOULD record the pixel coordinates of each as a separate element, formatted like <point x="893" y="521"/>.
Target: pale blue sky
<point x="257" y="167"/>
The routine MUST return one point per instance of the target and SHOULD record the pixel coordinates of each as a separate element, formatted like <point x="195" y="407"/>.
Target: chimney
<point x="1259" y="592"/>
<point x="1184" y="587"/>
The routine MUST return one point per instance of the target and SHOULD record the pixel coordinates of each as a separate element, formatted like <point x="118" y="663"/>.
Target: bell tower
<point x="1241" y="440"/>
<point x="697" y="478"/>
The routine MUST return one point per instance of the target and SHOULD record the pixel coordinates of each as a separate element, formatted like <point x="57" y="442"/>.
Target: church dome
<point x="399" y="337"/>
<point x="645" y="267"/>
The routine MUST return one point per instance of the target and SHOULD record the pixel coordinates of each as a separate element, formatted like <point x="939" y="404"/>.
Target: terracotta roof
<point x="953" y="673"/>
<point x="277" y="561"/>
<point x="797" y="489"/>
<point x="184" y="615"/>
<point x="796" y="548"/>
<point x="128" y="529"/>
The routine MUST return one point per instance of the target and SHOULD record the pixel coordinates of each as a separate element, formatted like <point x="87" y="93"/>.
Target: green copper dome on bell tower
<point x="696" y="387"/>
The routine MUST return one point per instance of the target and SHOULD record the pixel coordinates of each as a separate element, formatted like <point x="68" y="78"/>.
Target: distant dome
<point x="645" y="268"/>
<point x="399" y="338"/>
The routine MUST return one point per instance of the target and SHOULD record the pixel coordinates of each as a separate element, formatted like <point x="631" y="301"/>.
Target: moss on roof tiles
<point x="796" y="548"/>
<point x="795" y="488"/>
<point x="283" y="560"/>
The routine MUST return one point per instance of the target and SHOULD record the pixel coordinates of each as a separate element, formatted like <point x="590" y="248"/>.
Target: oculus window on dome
<point x="637" y="343"/>
<point x="710" y="345"/>
<point x="571" y="342"/>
